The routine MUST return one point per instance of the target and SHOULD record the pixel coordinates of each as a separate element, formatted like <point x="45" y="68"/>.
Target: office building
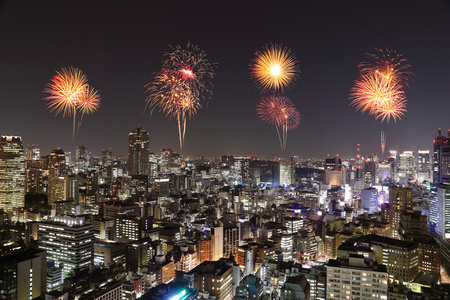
<point x="400" y="198"/>
<point x="287" y="174"/>
<point x="406" y="164"/>
<point x="215" y="277"/>
<point x="127" y="228"/>
<point x="369" y="200"/>
<point x="356" y="278"/>
<point x="423" y="166"/>
<point x="68" y="240"/>
<point x="138" y="151"/>
<point x="250" y="287"/>
<point x="81" y="159"/>
<point x="401" y="258"/>
<point x="246" y="257"/>
<point x="23" y="275"/>
<point x="12" y="173"/>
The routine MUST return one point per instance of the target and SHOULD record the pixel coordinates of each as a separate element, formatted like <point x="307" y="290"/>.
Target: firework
<point x="274" y="68"/>
<point x="389" y="64"/>
<point x="379" y="90"/>
<point x="181" y="86"/>
<point x="65" y="89"/>
<point x="281" y="112"/>
<point x="69" y="93"/>
<point x="383" y="142"/>
<point x="379" y="95"/>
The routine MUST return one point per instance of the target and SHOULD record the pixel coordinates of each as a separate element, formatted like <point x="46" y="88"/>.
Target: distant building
<point x="369" y="200"/>
<point x="138" y="151"/>
<point x="12" y="173"/>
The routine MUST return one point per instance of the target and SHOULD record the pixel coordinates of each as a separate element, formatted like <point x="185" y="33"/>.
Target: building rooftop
<point x="216" y="268"/>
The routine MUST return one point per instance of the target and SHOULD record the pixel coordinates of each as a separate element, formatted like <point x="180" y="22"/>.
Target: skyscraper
<point x="57" y="177"/>
<point x="138" y="151"/>
<point x="81" y="158"/>
<point x="400" y="198"/>
<point x="423" y="165"/>
<point x="12" y="172"/>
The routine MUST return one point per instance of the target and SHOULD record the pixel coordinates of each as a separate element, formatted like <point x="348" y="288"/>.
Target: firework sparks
<point x="69" y="93"/>
<point x="380" y="96"/>
<point x="181" y="85"/>
<point x="274" y="68"/>
<point x="388" y="63"/>
<point x="379" y="90"/>
<point x="281" y="112"/>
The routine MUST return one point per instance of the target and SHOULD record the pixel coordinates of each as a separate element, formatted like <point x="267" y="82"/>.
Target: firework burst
<point x="281" y="112"/>
<point x="70" y="93"/>
<point x="379" y="89"/>
<point x="181" y="86"/>
<point x="388" y="63"/>
<point x="274" y="68"/>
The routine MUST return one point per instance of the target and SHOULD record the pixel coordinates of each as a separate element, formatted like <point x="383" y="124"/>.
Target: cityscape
<point x="181" y="151"/>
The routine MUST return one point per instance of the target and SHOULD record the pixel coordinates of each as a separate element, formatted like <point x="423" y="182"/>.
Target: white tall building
<point x="286" y="174"/>
<point x="12" y="172"/>
<point x="67" y="240"/>
<point x="406" y="163"/>
<point x="356" y="279"/>
<point x="287" y="245"/>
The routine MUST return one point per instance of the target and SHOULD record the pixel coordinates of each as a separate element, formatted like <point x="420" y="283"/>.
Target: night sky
<point x="120" y="44"/>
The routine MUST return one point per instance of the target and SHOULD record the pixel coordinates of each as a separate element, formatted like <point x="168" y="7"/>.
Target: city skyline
<point x="119" y="48"/>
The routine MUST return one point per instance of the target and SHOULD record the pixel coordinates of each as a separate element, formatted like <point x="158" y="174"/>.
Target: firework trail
<point x="379" y="89"/>
<point x="181" y="86"/>
<point x="69" y="92"/>
<point x="281" y="112"/>
<point x="274" y="68"/>
<point x="383" y="142"/>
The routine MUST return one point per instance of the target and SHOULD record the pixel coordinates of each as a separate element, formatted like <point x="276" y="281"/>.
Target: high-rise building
<point x="169" y="160"/>
<point x="81" y="158"/>
<point x="369" y="200"/>
<point x="287" y="174"/>
<point x="33" y="153"/>
<point x="23" y="275"/>
<point x="441" y="158"/>
<point x="57" y="177"/>
<point x="400" y="198"/>
<point x="68" y="240"/>
<point x="246" y="257"/>
<point x="106" y="157"/>
<point x="12" y="172"/>
<point x="406" y="163"/>
<point x="138" y="151"/>
<point x="423" y="165"/>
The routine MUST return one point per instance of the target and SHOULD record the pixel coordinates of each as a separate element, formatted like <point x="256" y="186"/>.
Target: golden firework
<point x="274" y="68"/>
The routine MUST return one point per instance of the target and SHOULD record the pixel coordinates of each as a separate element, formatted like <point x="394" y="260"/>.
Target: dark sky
<point x="119" y="44"/>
